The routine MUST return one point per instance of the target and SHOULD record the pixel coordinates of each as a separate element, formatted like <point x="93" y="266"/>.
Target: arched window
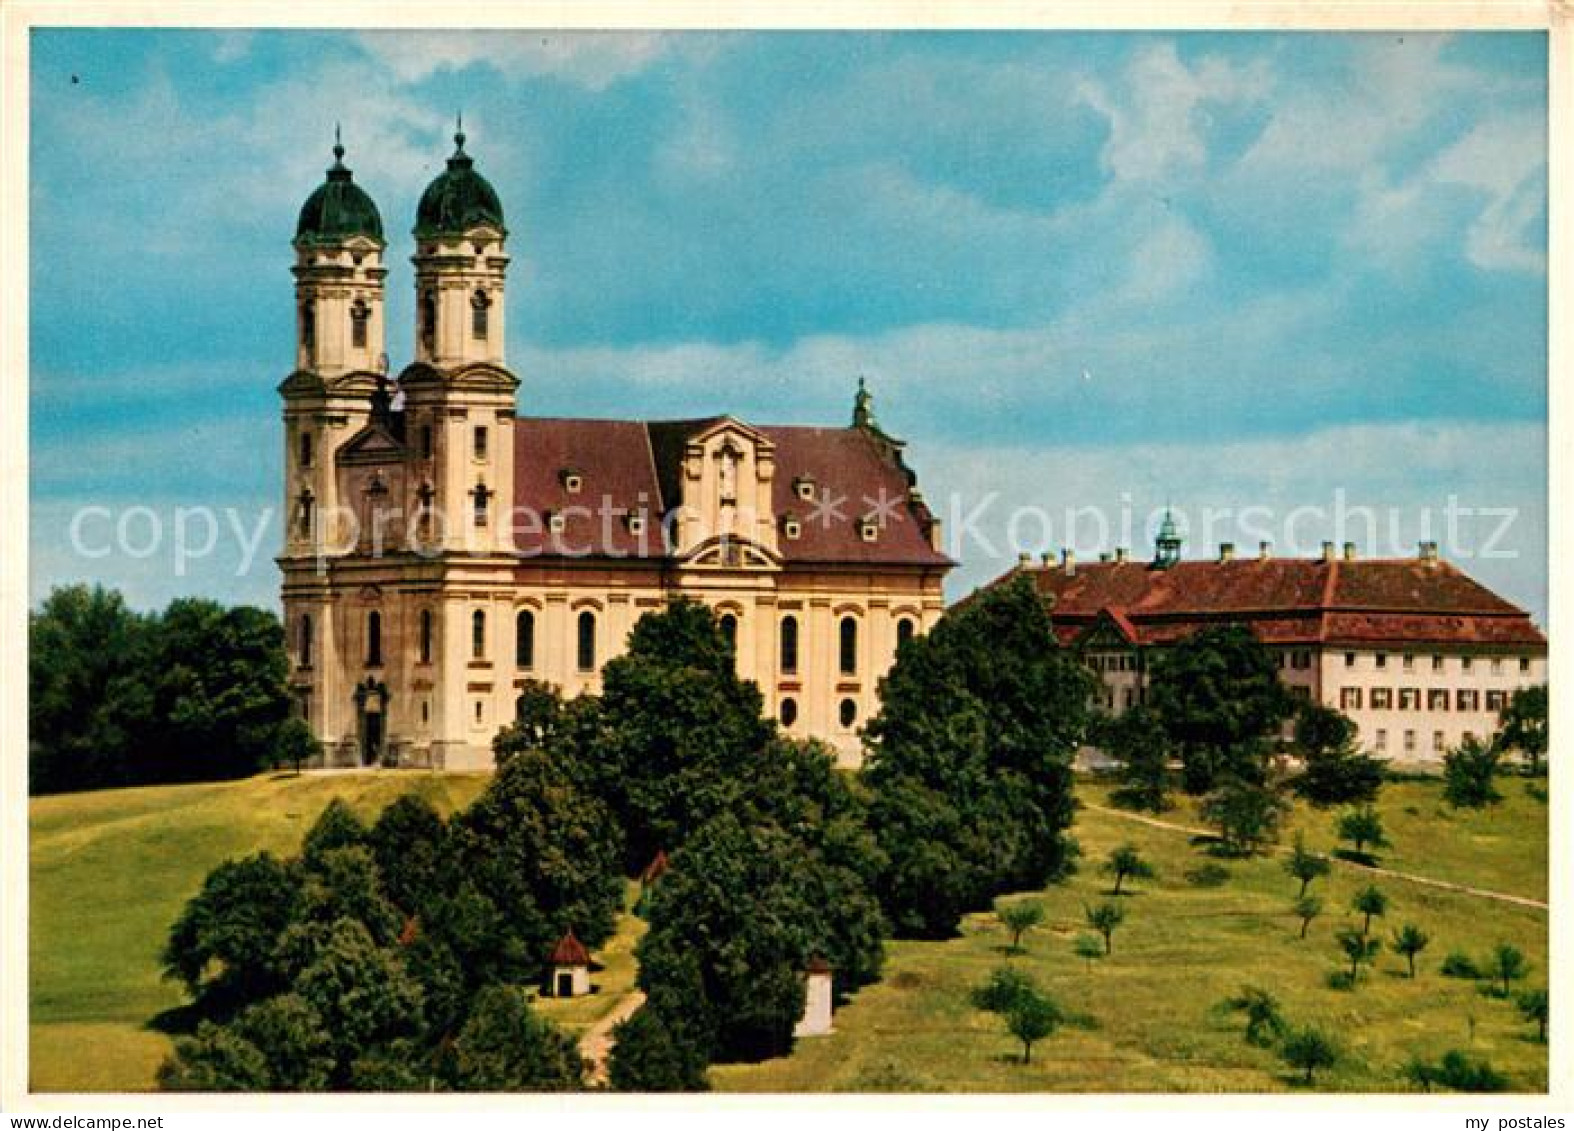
<point x="478" y="635"/>
<point x="360" y="314"/>
<point x="847" y="713"/>
<point x="374" y="638"/>
<point x="429" y="322"/>
<point x="306" y="640"/>
<point x="587" y="641"/>
<point x="426" y="636"/>
<point x="729" y="629"/>
<point x="789" y="712"/>
<point x="308" y="326"/>
<point x="525" y="639"/>
<point x="904" y="631"/>
<point x="306" y="514"/>
<point x="849" y="646"/>
<point x="479" y="305"/>
<point x="789" y="646"/>
<point x="306" y="448"/>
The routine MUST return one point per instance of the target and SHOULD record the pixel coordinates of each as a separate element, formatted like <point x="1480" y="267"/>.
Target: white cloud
<point x="594" y="60"/>
<point x="1505" y="158"/>
<point x="1158" y="118"/>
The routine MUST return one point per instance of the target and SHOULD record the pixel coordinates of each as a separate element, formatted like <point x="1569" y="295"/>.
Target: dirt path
<point x="596" y="1044"/>
<point x="1408" y="877"/>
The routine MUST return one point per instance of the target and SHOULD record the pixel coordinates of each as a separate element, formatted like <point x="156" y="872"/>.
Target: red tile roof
<point x="569" y="952"/>
<point x="1286" y="601"/>
<point x="635" y="466"/>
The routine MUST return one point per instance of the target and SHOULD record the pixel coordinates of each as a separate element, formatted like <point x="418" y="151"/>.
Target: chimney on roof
<point x="1024" y="559"/>
<point x="1104" y="555"/>
<point x="936" y="535"/>
<point x="1047" y="560"/>
<point x="1226" y="551"/>
<point x="1264" y="550"/>
<point x="1429" y="553"/>
<point x="1328" y="551"/>
<point x="1120" y="554"/>
<point x="1068" y="561"/>
<point x="1349" y="551"/>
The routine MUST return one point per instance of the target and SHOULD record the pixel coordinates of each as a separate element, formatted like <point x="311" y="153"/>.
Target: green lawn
<point x="110" y="871"/>
<point x="1150" y="1023"/>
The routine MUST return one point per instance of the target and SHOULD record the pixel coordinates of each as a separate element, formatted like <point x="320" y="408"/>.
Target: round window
<point x="848" y="712"/>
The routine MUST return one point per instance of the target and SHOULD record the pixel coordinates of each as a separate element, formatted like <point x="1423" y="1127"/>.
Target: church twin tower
<point x="381" y="496"/>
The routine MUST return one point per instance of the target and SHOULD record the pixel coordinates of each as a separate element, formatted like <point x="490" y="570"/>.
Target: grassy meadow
<point x="108" y="874"/>
<point x="110" y="871"/>
<point x="1147" y="1020"/>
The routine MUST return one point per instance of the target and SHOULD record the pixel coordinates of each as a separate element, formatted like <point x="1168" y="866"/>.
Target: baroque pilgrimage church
<point x="442" y="550"/>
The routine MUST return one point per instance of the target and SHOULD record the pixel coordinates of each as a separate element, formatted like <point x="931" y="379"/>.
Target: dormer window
<point x="868" y="529"/>
<point x="556" y="522"/>
<point x="803" y="487"/>
<point x="791" y="527"/>
<point x="360" y="314"/>
<point x="572" y="480"/>
<point x="479" y="305"/>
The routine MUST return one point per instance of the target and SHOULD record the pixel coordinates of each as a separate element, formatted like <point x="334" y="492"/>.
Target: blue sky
<point x="1079" y="270"/>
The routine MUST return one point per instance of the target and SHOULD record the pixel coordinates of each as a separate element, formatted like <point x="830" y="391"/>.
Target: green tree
<point x="1246" y="815"/>
<point x="361" y="992"/>
<point x="733" y="925"/>
<point x="1136" y="740"/>
<point x="653" y="1051"/>
<point x="1019" y="918"/>
<point x="539" y="720"/>
<point x="545" y="854"/>
<point x="1335" y="770"/>
<point x="1410" y="940"/>
<point x="1307" y="908"/>
<point x="296" y="745"/>
<point x="1006" y="986"/>
<point x="1508" y="966"/>
<point x="505" y="1047"/>
<point x="1360" y="948"/>
<point x="969" y="760"/>
<point x="1219" y="698"/>
<point x="1032" y="1018"/>
<point x="1264" y="1018"/>
<point x="1305" y="865"/>
<point x="216" y="1059"/>
<point x="1457" y="1071"/>
<point x="1369" y="901"/>
<point x="414" y="857"/>
<point x="678" y="733"/>
<point x="86" y="662"/>
<point x="1126" y="863"/>
<point x="1533" y="1006"/>
<point x="290" y="1036"/>
<point x="224" y="946"/>
<point x="1309" y="1049"/>
<point x="1089" y="948"/>
<point x="336" y="827"/>
<point x="1363" y="828"/>
<point x="1104" y="919"/>
<point x="1469" y="773"/>
<point x="1523" y="724"/>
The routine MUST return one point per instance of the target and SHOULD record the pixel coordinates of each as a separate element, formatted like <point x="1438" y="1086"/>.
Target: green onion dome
<point x="458" y="200"/>
<point x="338" y="209"/>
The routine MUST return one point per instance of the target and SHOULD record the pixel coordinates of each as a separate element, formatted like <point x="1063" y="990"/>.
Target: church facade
<point x="441" y="549"/>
